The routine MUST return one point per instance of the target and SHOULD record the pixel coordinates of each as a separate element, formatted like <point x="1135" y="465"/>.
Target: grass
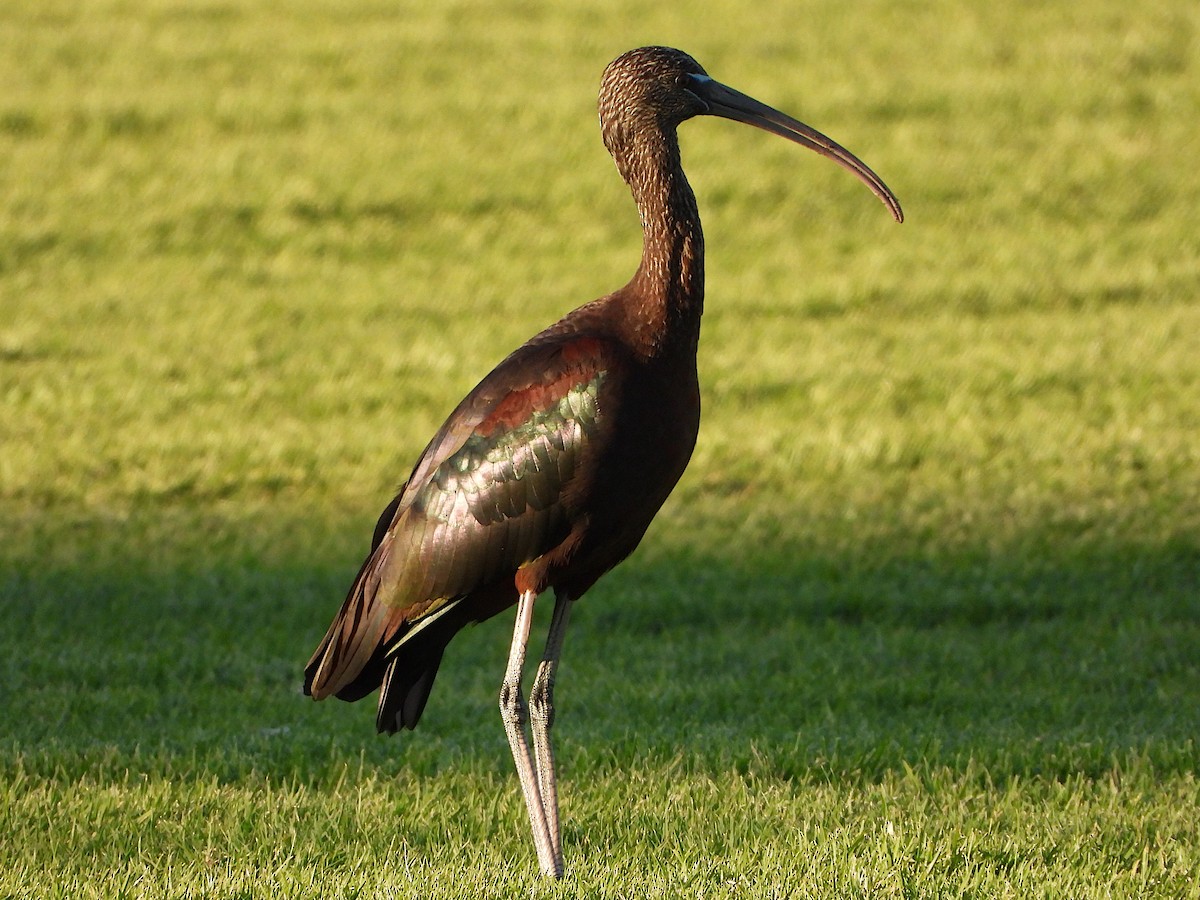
<point x="923" y="618"/>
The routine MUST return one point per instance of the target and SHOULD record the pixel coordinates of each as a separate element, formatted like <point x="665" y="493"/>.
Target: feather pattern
<point x="485" y="499"/>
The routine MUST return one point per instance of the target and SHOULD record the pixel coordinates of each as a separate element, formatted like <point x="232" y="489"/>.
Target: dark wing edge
<point x="341" y="665"/>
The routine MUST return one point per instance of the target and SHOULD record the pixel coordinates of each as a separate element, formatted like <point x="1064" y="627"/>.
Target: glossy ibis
<point x="549" y="472"/>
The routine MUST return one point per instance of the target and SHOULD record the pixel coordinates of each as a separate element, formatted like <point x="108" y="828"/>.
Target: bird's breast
<point x="652" y="420"/>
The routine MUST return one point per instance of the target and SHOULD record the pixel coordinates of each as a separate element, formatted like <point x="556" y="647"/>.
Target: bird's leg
<point x="512" y="711"/>
<point x="541" y="706"/>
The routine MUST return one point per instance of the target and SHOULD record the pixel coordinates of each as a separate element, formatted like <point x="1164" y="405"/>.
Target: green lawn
<point x="922" y="619"/>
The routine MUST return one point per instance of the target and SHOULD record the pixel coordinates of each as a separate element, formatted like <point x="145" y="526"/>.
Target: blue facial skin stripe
<point x="700" y="81"/>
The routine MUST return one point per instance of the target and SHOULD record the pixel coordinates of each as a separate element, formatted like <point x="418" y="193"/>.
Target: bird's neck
<point x="666" y="295"/>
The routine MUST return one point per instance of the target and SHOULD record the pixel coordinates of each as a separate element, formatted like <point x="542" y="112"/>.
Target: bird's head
<point x="654" y="89"/>
<point x="651" y="86"/>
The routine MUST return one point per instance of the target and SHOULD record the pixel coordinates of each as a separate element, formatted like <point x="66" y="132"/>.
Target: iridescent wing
<point x="485" y="498"/>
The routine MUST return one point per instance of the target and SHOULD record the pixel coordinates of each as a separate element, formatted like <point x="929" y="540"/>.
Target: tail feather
<point x="413" y="666"/>
<point x="406" y="687"/>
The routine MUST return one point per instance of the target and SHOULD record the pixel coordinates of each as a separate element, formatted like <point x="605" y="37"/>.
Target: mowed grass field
<point x="921" y="620"/>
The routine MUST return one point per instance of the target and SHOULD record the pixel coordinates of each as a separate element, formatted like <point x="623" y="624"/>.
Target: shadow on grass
<point x="187" y="661"/>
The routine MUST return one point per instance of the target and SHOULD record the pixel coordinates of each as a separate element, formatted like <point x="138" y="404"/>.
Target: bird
<point x="550" y="470"/>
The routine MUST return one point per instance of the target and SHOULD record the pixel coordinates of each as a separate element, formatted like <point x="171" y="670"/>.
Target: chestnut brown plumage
<point x="549" y="472"/>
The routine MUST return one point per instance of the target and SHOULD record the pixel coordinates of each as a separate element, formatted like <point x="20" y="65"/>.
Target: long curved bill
<point x="730" y="104"/>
